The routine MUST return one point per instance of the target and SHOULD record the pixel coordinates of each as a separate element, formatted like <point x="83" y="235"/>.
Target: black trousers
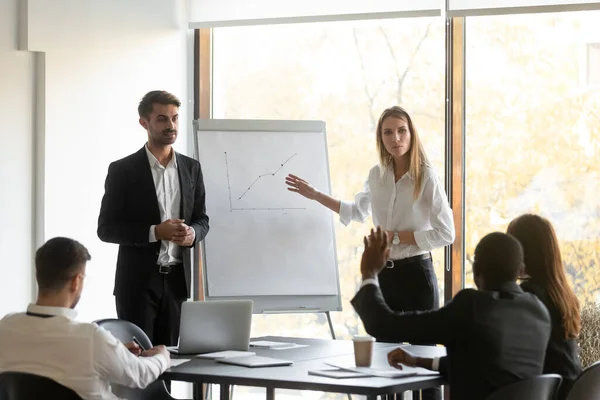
<point x="157" y="309"/>
<point x="412" y="287"/>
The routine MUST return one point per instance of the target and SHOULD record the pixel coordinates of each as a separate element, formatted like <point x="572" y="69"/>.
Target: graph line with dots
<point x="258" y="178"/>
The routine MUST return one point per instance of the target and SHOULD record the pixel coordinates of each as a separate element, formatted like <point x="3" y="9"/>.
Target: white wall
<point x="101" y="57"/>
<point x="16" y="165"/>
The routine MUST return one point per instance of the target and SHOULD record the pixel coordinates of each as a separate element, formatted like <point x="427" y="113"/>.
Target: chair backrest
<point x="125" y="331"/>
<point x="543" y="387"/>
<point x="24" y="386"/>
<point x="587" y="384"/>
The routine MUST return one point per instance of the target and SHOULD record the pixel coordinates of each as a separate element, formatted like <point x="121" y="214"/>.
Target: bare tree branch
<point x="403" y="74"/>
<point x="428" y="115"/>
<point x="370" y="96"/>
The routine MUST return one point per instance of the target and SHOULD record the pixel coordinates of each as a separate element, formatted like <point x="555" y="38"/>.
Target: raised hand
<point x="300" y="186"/>
<point x="375" y="254"/>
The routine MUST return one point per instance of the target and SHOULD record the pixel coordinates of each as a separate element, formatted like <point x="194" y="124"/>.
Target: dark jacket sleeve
<point x="443" y="366"/>
<point x="112" y="221"/>
<point x="427" y="327"/>
<point x="199" y="218"/>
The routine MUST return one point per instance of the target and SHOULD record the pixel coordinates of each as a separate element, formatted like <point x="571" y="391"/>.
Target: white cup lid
<point x="365" y="338"/>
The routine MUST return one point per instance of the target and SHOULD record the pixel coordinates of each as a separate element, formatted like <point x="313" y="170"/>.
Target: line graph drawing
<point x="231" y="208"/>
<point x="263" y="175"/>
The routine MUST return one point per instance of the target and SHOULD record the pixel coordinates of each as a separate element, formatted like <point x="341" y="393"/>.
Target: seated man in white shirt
<point x="47" y="340"/>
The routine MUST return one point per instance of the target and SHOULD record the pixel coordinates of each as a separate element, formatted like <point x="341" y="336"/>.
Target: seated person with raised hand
<point x="494" y="336"/>
<point x="47" y="341"/>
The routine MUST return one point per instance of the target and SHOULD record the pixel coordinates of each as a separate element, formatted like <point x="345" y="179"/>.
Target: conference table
<point x="313" y="357"/>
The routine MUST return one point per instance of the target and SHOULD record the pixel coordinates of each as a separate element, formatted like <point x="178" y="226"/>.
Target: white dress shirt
<point x="168" y="193"/>
<point x="80" y="356"/>
<point x="392" y="206"/>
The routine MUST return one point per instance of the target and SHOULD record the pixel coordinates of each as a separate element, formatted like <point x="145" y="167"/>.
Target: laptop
<point x="214" y="325"/>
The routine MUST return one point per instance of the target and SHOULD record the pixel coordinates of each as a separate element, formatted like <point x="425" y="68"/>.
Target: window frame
<point x="454" y="126"/>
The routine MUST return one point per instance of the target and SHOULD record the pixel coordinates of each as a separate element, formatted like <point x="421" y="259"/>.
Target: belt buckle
<point x="164" y="269"/>
<point x="389" y="264"/>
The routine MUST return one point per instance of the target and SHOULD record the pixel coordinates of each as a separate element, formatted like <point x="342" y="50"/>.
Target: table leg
<point x="224" y="392"/>
<point x="199" y="391"/>
<point x="270" y="393"/>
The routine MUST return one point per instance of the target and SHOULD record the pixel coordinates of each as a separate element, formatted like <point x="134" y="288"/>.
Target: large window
<point x="344" y="73"/>
<point x="533" y="133"/>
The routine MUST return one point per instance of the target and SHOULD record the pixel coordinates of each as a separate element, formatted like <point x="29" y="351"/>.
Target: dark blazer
<point x="129" y="207"/>
<point x="562" y="355"/>
<point x="491" y="338"/>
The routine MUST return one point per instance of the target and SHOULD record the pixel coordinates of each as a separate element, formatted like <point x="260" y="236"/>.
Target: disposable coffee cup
<point x="363" y="350"/>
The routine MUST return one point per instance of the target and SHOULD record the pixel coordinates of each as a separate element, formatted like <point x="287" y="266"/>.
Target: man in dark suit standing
<point x="154" y="208"/>
<point x="494" y="336"/>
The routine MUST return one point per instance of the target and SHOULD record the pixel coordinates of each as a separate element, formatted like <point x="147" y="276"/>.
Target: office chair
<point x="587" y="384"/>
<point x="125" y="331"/>
<point x="543" y="387"/>
<point x="24" y="386"/>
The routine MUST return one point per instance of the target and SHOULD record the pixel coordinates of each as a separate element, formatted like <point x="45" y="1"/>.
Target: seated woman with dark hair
<point x="545" y="277"/>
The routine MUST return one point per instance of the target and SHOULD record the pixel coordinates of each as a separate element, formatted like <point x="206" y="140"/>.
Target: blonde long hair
<point x="417" y="159"/>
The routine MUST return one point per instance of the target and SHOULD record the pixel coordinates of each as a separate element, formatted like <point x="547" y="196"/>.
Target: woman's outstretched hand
<point x="300" y="186"/>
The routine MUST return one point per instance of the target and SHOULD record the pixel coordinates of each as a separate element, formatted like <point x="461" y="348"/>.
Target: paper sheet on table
<point x="290" y="346"/>
<point x="225" y="354"/>
<point x="267" y="344"/>
<point x="337" y="373"/>
<point x="178" y="361"/>
<point x="378" y="372"/>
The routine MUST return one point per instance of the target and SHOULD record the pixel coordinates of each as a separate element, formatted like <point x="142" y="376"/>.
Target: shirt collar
<point x="55" y="311"/>
<point x="392" y="178"/>
<point x="153" y="161"/>
<point x="507" y="287"/>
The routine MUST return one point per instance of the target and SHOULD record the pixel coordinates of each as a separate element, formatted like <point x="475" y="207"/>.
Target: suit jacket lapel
<point x="147" y="195"/>
<point x="185" y="185"/>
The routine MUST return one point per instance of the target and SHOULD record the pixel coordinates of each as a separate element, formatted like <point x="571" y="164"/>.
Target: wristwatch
<point x="396" y="239"/>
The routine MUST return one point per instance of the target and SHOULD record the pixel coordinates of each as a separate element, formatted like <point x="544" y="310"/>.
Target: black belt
<point x="167" y="269"/>
<point x="407" y="260"/>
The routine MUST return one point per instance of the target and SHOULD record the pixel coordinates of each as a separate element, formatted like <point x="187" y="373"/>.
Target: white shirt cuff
<point x="435" y="364"/>
<point x="152" y="234"/>
<point x="370" y="281"/>
<point x="346" y="212"/>
<point x="422" y="240"/>
<point x="164" y="362"/>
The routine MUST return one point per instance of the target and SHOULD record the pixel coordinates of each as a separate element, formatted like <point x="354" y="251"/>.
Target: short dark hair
<point x="57" y="261"/>
<point x="498" y="258"/>
<point x="159" y="97"/>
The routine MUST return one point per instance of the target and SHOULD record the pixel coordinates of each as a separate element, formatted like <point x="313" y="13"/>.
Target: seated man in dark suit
<point x="494" y="336"/>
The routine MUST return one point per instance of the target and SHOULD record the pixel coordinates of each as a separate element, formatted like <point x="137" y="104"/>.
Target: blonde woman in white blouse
<point x="404" y="196"/>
